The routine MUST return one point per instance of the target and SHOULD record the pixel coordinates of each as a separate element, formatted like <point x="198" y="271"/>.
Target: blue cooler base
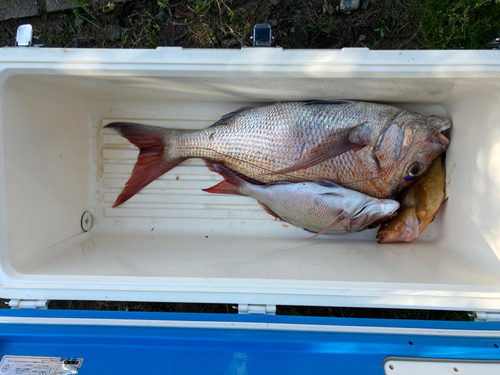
<point x="162" y="343"/>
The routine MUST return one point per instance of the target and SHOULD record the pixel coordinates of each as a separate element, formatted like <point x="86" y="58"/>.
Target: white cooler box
<point x="172" y="241"/>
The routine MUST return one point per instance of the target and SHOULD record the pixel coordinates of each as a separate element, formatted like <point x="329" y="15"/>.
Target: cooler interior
<point x="59" y="163"/>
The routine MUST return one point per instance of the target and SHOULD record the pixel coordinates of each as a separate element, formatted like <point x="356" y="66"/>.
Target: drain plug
<point x="86" y="221"/>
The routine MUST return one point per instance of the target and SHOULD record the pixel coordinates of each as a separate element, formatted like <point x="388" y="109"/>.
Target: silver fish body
<point x="320" y="207"/>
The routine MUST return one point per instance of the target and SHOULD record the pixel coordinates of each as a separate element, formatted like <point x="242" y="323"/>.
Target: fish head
<point x="392" y="229"/>
<point x="417" y="142"/>
<point x="403" y="228"/>
<point x="372" y="213"/>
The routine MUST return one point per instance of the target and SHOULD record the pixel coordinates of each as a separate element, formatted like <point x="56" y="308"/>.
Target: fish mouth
<point x="442" y="125"/>
<point x="391" y="208"/>
<point x="440" y="139"/>
<point x="384" y="210"/>
<point x="447" y="125"/>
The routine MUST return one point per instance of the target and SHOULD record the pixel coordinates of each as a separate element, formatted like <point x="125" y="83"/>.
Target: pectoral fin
<point x="442" y="204"/>
<point x="421" y="200"/>
<point x="335" y="221"/>
<point x="331" y="146"/>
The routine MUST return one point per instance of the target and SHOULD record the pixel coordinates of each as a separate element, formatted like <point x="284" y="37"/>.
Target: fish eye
<point x="415" y="170"/>
<point x="371" y="226"/>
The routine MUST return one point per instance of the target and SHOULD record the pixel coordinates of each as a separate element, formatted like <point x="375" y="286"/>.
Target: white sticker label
<point x="25" y="365"/>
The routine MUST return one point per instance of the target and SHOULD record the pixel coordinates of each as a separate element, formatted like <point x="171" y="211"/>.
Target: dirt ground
<point x="385" y="24"/>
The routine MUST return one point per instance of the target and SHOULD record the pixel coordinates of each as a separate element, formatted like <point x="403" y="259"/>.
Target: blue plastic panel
<point x="154" y="350"/>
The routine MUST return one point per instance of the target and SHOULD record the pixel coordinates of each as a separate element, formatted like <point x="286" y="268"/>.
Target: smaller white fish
<point x="319" y="207"/>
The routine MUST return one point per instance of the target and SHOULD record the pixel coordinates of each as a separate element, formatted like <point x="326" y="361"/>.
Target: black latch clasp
<point x="262" y="35"/>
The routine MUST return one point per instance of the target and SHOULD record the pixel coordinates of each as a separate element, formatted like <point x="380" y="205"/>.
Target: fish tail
<point x="156" y="156"/>
<point x="230" y="185"/>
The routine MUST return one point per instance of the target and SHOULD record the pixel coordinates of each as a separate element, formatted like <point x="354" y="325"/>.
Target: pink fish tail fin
<point x="154" y="156"/>
<point x="231" y="185"/>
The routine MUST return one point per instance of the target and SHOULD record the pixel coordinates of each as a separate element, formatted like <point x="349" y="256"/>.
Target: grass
<point x="163" y="4"/>
<point x="140" y="29"/>
<point x="201" y="7"/>
<point x="387" y="24"/>
<point x="456" y="24"/>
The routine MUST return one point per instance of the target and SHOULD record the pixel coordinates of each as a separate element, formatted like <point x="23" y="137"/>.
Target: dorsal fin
<point x="326" y="102"/>
<point x="338" y="192"/>
<point x="277" y="183"/>
<point x="327" y="184"/>
<point x="224" y="120"/>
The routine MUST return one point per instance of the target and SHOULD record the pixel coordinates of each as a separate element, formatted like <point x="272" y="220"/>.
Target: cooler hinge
<point x="28" y="304"/>
<point x="480" y="316"/>
<point x="257" y="309"/>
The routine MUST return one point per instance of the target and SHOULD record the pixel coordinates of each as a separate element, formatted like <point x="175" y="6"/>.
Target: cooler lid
<point x="105" y="342"/>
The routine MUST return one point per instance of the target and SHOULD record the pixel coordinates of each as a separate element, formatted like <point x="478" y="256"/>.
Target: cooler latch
<point x="480" y="316"/>
<point x="262" y="35"/>
<point x="257" y="309"/>
<point x="24" y="36"/>
<point x="28" y="304"/>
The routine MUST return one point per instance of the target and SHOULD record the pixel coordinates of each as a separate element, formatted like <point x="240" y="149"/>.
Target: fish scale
<point x="357" y="145"/>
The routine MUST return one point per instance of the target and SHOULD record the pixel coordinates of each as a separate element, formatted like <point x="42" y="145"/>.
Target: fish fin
<point x="279" y="183"/>
<point x="331" y="146"/>
<point x="231" y="185"/>
<point x="269" y="211"/>
<point x="420" y="200"/>
<point x="331" y="185"/>
<point x="210" y="165"/>
<point x="332" y="224"/>
<point x="327" y="184"/>
<point x="326" y="102"/>
<point x="442" y="204"/>
<point x="224" y="187"/>
<point x="224" y="120"/>
<point x="153" y="160"/>
<point x="333" y="194"/>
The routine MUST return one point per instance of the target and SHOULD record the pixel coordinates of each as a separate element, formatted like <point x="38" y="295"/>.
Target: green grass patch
<point x="456" y="24"/>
